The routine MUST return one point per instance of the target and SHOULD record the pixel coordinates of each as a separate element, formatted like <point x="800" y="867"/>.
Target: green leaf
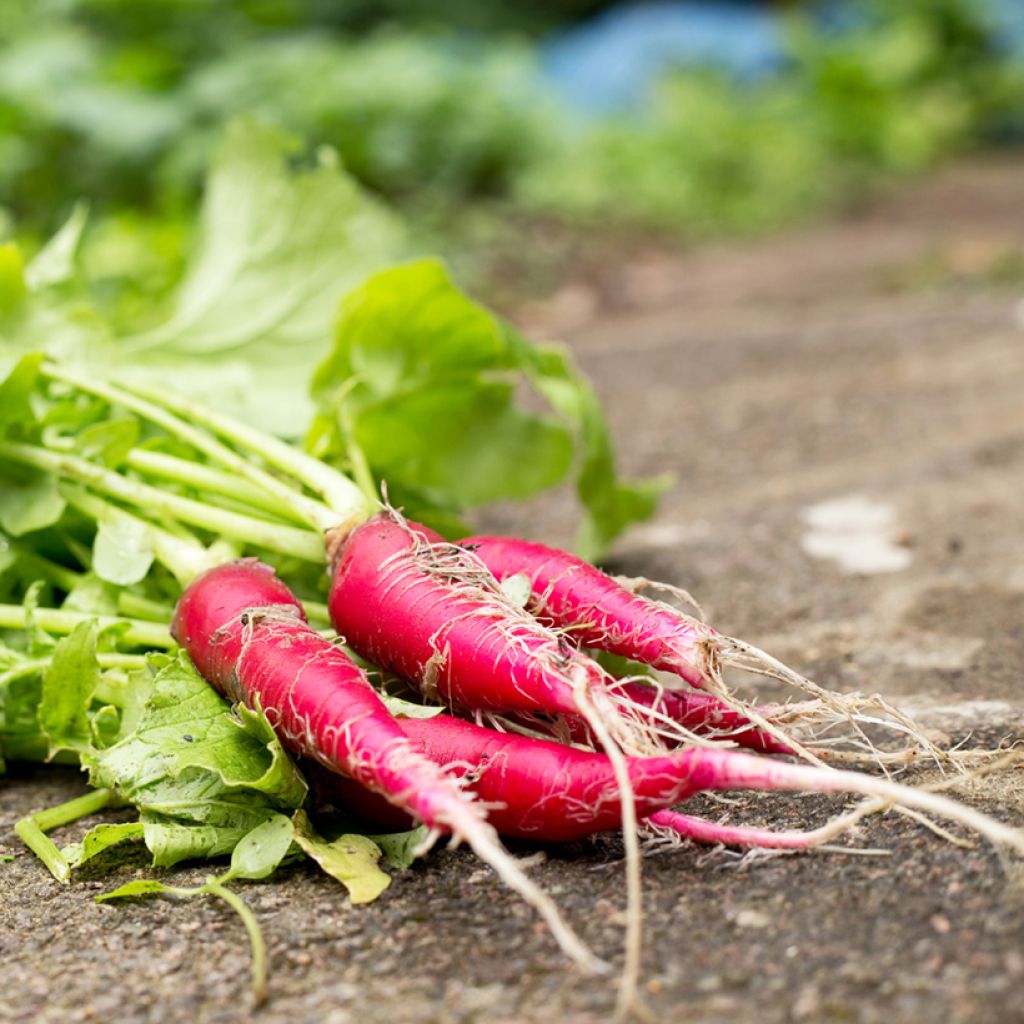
<point x="465" y="441"/>
<point x="30" y="501"/>
<point x="410" y="323"/>
<point x="69" y="683"/>
<point x="407" y="709"/>
<point x="278" y="250"/>
<point x="21" y="737"/>
<point x="55" y="262"/>
<point x="399" y="848"/>
<point x="38" y="640"/>
<point x="139" y="887"/>
<point x="610" y="504"/>
<point x="16" y="388"/>
<point x="201" y="778"/>
<point x="425" y="383"/>
<point x="92" y="595"/>
<point x="258" y="853"/>
<point x="99" y="839"/>
<point x="351" y="859"/>
<point x="122" y="551"/>
<point x="517" y="589"/>
<point x="433" y="391"/>
<point x="201" y="826"/>
<point x="108" y="441"/>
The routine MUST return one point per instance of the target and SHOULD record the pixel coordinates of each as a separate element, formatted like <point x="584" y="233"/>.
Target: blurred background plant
<point x="481" y="121"/>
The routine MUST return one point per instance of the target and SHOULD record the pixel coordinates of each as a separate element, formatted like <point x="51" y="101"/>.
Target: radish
<point x="569" y="593"/>
<point x="708" y="715"/>
<point x="247" y="635"/>
<point x="463" y="642"/>
<point x="458" y="637"/>
<point x="610" y="614"/>
<point x="542" y="790"/>
<point x="421" y="608"/>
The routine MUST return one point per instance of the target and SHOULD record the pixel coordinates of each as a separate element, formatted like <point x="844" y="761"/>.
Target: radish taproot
<point x="543" y="790"/>
<point x="247" y="635"/>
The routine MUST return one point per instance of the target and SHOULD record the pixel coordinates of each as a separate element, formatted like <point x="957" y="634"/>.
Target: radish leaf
<point x="400" y="848"/>
<point x="278" y="249"/>
<point x="260" y="851"/>
<point x="434" y="391"/>
<point x="351" y="859"/>
<point x="69" y="683"/>
<point x="29" y="501"/>
<point x="100" y="839"/>
<point x="122" y="553"/>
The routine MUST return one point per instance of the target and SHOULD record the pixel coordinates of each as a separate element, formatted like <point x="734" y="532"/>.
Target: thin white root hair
<point x="850" y="708"/>
<point x="711" y="658"/>
<point x="638" y="584"/>
<point x="628" y="1000"/>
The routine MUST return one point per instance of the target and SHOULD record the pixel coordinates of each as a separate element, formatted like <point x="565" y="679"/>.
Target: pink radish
<point x="423" y="609"/>
<point x="702" y="713"/>
<point x="247" y="635"/>
<point x="569" y="593"/>
<point x="606" y="614"/>
<point x="539" y="789"/>
<point x="412" y="604"/>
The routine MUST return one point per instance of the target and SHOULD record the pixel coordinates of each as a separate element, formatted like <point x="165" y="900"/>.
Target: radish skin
<point x="400" y="606"/>
<point x="540" y="789"/>
<point x="247" y="635"/>
<point x="702" y="713"/>
<point x="569" y="593"/>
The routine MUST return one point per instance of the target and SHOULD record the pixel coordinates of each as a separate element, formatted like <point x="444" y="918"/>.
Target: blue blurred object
<point x="608" y="63"/>
<point x="1007" y="20"/>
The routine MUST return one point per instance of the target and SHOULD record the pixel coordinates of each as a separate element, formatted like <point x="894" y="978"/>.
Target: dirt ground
<point x="874" y="365"/>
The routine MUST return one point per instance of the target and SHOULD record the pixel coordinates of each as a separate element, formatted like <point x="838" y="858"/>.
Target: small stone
<point x="748" y="918"/>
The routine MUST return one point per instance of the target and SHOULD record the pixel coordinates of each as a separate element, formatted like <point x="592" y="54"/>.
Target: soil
<point x="879" y="359"/>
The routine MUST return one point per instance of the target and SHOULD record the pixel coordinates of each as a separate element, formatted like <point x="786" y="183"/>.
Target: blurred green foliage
<point x="121" y="102"/>
<point x="891" y="95"/>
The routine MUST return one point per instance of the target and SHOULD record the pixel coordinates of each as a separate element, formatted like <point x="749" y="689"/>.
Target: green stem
<point x="360" y="466"/>
<point x="138" y="607"/>
<point x="259" y="949"/>
<point x="316" y="611"/>
<point x="344" y="498"/>
<point x="62" y="622"/>
<point x="109" y="659"/>
<point x="32" y="830"/>
<point x="155" y="405"/>
<point x="286" y="540"/>
<point x="209" y="480"/>
<point x="105" y="659"/>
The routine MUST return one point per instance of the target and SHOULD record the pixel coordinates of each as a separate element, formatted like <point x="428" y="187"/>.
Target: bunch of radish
<point x="568" y="749"/>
